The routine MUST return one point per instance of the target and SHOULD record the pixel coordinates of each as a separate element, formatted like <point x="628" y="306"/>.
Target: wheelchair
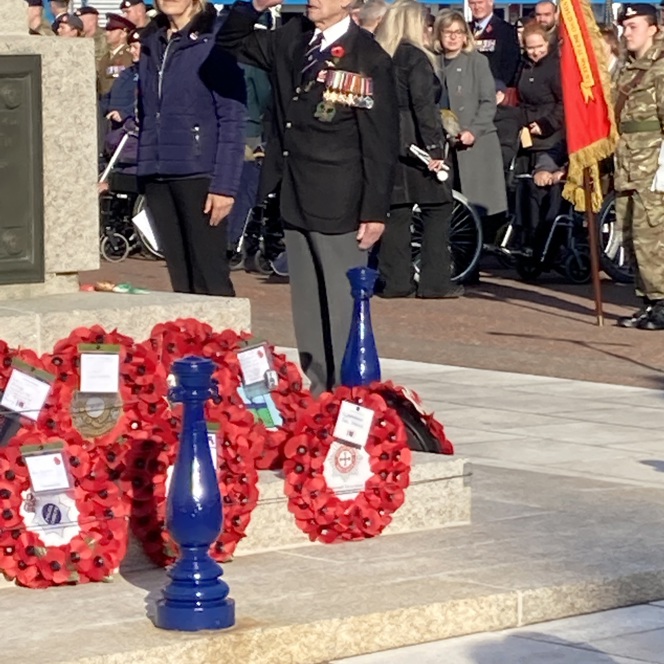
<point x="613" y="257"/>
<point x="120" y="204"/>
<point x="560" y="245"/>
<point x="261" y="247"/>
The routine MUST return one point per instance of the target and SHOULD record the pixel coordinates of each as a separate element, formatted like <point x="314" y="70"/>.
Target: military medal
<point x="95" y="414"/>
<point x="325" y="111"/>
<point x="345" y="88"/>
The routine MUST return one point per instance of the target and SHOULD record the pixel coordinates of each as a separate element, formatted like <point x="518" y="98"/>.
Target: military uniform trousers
<point x="321" y="300"/>
<point x="640" y="215"/>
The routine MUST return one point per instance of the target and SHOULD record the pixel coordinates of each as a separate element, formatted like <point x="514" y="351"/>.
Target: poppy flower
<point x="337" y="51"/>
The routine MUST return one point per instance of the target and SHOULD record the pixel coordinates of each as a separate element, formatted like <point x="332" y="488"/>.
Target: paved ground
<point x="633" y="635"/>
<point x="503" y="324"/>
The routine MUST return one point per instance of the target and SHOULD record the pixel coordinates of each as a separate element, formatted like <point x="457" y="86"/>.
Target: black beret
<point x="134" y="36"/>
<point x="125" y="4"/>
<point x="635" y="9"/>
<point x="35" y="3"/>
<point x="87" y="10"/>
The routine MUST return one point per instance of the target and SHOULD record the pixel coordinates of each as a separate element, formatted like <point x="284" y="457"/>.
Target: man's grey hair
<point x="371" y="12"/>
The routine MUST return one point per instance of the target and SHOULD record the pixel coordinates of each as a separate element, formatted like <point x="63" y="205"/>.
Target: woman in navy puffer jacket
<point x="191" y="143"/>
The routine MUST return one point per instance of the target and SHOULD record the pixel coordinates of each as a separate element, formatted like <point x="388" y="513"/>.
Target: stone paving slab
<point x="622" y="636"/>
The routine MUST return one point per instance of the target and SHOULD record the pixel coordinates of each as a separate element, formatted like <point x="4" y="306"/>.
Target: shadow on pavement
<point x="521" y="297"/>
<point x="535" y="648"/>
<point x="654" y="464"/>
<point x="658" y="373"/>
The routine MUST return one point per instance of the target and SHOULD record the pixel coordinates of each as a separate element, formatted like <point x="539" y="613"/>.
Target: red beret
<point x="117" y="22"/>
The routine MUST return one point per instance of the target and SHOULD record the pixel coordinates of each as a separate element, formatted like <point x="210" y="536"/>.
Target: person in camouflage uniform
<point x="639" y="161"/>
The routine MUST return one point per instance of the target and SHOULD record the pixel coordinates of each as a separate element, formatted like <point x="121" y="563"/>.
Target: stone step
<point x="439" y="495"/>
<point x="39" y="322"/>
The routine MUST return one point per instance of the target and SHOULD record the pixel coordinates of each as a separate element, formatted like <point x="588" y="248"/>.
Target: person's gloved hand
<point x="658" y="180"/>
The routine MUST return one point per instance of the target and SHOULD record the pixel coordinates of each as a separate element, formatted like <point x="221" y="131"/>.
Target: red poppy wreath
<point x="425" y="432"/>
<point x="149" y="469"/>
<point x="77" y="536"/>
<point x="314" y="459"/>
<point x="103" y="420"/>
<point x="176" y="339"/>
<point x="290" y="398"/>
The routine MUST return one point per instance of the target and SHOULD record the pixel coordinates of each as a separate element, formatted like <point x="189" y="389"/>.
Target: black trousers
<point x="395" y="258"/>
<point x="196" y="255"/>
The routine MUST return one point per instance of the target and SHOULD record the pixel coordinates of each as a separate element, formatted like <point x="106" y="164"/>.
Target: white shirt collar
<point x="481" y="25"/>
<point x="333" y="33"/>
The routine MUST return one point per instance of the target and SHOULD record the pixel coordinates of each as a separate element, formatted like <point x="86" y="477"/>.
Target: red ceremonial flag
<point x="589" y="120"/>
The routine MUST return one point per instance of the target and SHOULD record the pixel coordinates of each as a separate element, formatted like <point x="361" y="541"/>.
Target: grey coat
<point x="472" y="97"/>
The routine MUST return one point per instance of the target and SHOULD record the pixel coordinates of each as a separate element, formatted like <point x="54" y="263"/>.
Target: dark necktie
<point x="312" y="58"/>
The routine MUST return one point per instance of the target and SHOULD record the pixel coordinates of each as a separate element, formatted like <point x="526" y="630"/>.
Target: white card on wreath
<point x="48" y="472"/>
<point x="254" y="363"/>
<point x="25" y="394"/>
<point x="353" y="423"/>
<point x="100" y="373"/>
<point x="346" y="470"/>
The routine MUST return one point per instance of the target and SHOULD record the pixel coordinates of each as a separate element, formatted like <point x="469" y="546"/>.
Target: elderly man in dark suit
<point x="497" y="40"/>
<point x="331" y="156"/>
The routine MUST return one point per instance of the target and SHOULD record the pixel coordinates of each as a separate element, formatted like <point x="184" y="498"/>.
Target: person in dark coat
<point x="496" y="39"/>
<point x="542" y="117"/>
<point x="121" y="101"/>
<point x="331" y="158"/>
<point x="508" y="126"/>
<point x="540" y="90"/>
<point x="401" y="34"/>
<point x="191" y="116"/>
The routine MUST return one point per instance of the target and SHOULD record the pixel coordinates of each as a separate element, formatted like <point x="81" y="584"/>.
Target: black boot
<point x="655" y="318"/>
<point x="637" y="317"/>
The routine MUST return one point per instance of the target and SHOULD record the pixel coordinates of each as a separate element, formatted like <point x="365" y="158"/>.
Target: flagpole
<point x="593" y="239"/>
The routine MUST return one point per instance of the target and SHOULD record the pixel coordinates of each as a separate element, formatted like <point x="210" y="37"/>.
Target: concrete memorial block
<point x="68" y="141"/>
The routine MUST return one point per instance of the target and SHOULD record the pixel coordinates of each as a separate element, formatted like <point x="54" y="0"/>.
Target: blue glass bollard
<point x="361" y="365"/>
<point x="197" y="597"/>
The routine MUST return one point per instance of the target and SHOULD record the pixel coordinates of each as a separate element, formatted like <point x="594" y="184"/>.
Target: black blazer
<point x="418" y="92"/>
<point x="500" y="44"/>
<point x="331" y="175"/>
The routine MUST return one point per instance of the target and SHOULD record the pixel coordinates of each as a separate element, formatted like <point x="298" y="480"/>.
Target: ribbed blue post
<point x="361" y="365"/>
<point x="196" y="598"/>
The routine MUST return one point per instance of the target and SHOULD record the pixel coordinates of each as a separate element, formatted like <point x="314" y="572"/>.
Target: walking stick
<point x="593" y="239"/>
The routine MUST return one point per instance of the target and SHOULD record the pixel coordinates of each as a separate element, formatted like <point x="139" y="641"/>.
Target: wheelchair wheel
<point x="114" y="247"/>
<point x="613" y="257"/>
<point x="235" y="260"/>
<point x="576" y="266"/>
<point x="257" y="262"/>
<point x="465" y="238"/>
<point x="527" y="268"/>
<point x="145" y="241"/>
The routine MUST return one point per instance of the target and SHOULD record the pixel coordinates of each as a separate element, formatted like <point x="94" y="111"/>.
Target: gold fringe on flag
<point x="591" y="155"/>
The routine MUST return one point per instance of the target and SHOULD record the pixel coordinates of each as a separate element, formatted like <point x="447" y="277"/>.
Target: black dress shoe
<point x="638" y="317"/>
<point x="390" y="295"/>
<point x="451" y="293"/>
<point x="655" y="318"/>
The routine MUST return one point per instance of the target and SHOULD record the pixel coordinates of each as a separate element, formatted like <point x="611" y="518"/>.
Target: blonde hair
<point x="404" y="21"/>
<point x="198" y="6"/>
<point x="445" y="19"/>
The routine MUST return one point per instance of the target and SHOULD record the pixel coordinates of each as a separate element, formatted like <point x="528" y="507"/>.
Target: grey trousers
<point x="321" y="300"/>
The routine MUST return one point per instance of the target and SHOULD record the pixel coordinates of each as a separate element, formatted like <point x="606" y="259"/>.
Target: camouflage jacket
<point x="641" y="120"/>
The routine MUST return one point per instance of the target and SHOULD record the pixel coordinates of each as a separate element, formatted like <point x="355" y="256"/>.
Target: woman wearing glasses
<point x="469" y="91"/>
